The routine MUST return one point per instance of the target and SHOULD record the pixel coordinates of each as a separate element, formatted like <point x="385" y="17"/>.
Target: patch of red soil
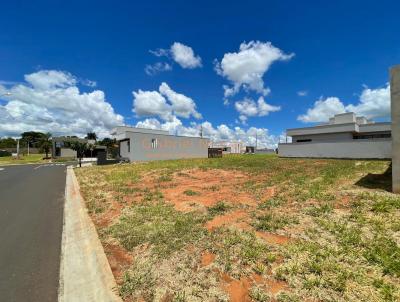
<point x="238" y="290"/>
<point x="275" y="286"/>
<point x="228" y="218"/>
<point x="273" y="238"/>
<point x="119" y="259"/>
<point x="104" y="219"/>
<point x="207" y="258"/>
<point x="211" y="185"/>
<point x="269" y="192"/>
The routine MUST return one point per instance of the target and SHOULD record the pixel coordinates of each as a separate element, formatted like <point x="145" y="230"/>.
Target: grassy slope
<point x="32" y="158"/>
<point x="345" y="233"/>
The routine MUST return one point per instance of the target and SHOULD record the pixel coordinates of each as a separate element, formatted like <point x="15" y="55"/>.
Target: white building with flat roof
<point x="345" y="136"/>
<point x="228" y="147"/>
<point x="140" y="144"/>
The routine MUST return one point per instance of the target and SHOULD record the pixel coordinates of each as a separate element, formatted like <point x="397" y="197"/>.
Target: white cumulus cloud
<point x="50" y="101"/>
<point x="184" y="56"/>
<point x="322" y="110"/>
<point x="178" y="53"/>
<point x="373" y="103"/>
<point x="247" y="67"/>
<point x="157" y="68"/>
<point x="164" y="103"/>
<point x="248" y="107"/>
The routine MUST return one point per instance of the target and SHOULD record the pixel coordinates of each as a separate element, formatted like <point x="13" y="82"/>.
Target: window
<point x="154" y="143"/>
<point x="128" y="143"/>
<point x="372" y="136"/>
<point x="303" y="140"/>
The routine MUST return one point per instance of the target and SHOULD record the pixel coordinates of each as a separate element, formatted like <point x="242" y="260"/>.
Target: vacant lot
<point x="248" y="228"/>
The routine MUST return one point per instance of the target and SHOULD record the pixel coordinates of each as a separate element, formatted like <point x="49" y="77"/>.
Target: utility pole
<point x="17" y="147"/>
<point x="201" y="131"/>
<point x="395" y="112"/>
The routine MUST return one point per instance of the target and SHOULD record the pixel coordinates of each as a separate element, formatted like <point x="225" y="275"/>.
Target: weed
<point x="270" y="203"/>
<point x="219" y="208"/>
<point x="138" y="281"/>
<point x="385" y="252"/>
<point x="258" y="295"/>
<point x="237" y="251"/>
<point x="385" y="204"/>
<point x="165" y="178"/>
<point x="316" y="211"/>
<point x="179" y="297"/>
<point x="191" y="193"/>
<point x="272" y="222"/>
<point x="213" y="188"/>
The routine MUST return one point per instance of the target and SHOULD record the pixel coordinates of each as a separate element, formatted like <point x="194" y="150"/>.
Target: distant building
<point x="140" y="144"/>
<point x="228" y="147"/>
<point x="345" y="136"/>
<point x="61" y="147"/>
<point x="265" y="151"/>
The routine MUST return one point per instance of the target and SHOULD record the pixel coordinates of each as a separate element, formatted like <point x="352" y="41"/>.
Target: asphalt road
<point x="31" y="221"/>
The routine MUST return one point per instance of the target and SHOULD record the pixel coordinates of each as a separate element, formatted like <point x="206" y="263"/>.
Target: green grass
<point x="272" y="221"/>
<point x="158" y="224"/>
<point x="343" y="228"/>
<point x="191" y="193"/>
<point x="218" y="209"/>
<point x="27" y="159"/>
<point x="239" y="252"/>
<point x="271" y="203"/>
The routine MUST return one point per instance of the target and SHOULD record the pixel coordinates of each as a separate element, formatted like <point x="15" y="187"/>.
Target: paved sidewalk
<point x="85" y="273"/>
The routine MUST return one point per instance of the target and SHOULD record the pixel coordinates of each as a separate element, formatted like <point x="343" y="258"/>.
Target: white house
<point x="228" y="147"/>
<point x="140" y="144"/>
<point x="345" y="136"/>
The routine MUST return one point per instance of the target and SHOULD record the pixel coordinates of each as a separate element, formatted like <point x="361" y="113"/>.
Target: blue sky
<point x="339" y="48"/>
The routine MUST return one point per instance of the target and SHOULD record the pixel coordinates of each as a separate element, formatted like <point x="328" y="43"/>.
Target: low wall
<point x="23" y="150"/>
<point x="380" y="149"/>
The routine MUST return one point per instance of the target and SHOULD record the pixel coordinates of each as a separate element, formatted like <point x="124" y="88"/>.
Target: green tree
<point x="80" y="149"/>
<point x="45" y="144"/>
<point x="33" y="138"/>
<point x="8" y="142"/>
<point x="91" y="135"/>
<point x="111" y="145"/>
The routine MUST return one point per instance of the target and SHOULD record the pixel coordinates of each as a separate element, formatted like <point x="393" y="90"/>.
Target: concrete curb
<point x="85" y="274"/>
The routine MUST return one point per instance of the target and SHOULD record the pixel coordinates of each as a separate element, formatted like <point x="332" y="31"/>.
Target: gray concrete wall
<point x="334" y="137"/>
<point x="395" y="109"/>
<point x="66" y="152"/>
<point x="123" y="149"/>
<point x="380" y="148"/>
<point x="168" y="147"/>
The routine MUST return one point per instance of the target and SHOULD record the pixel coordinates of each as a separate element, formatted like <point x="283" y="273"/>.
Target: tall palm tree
<point x="80" y="149"/>
<point x="45" y="143"/>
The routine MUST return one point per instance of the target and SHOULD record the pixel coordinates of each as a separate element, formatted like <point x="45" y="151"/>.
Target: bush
<point x="4" y="153"/>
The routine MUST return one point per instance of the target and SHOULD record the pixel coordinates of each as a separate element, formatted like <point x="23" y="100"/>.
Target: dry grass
<point x="248" y="228"/>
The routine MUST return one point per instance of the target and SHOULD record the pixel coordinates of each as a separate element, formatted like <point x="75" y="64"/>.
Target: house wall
<point x="379" y="148"/>
<point x="123" y="149"/>
<point x="66" y="152"/>
<point x="168" y="147"/>
<point x="325" y="137"/>
<point x="395" y="109"/>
